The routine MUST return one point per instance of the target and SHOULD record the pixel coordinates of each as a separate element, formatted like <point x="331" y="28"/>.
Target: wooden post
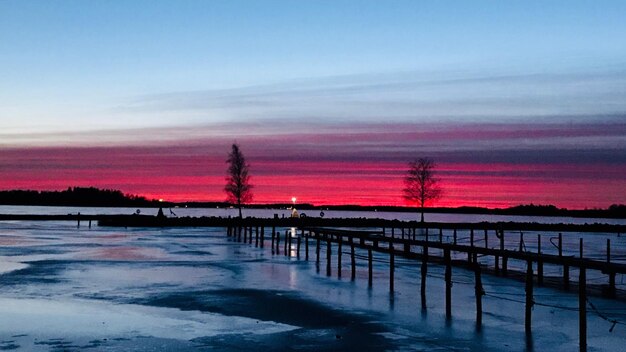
<point x="469" y="253"/>
<point x="505" y="265"/>
<point x="262" y="236"/>
<point x="393" y="233"/>
<point x="89" y="223"/>
<point x="440" y="235"/>
<point x="391" y="267"/>
<point x="565" y="266"/>
<point x="328" y="254"/>
<point x="352" y="259"/>
<point x="78" y="220"/>
<point x="250" y="237"/>
<point x="256" y="237"/>
<point x="454" y="234"/>
<point x="317" y="249"/>
<point x="448" y="278"/>
<point x="287" y="249"/>
<point x="581" y="248"/>
<point x="402" y="231"/>
<point x="529" y="296"/>
<point x="423" y="276"/>
<point x="298" y="239"/>
<point x="245" y="234"/>
<point x="486" y="239"/>
<point x="369" y="267"/>
<point x="278" y="242"/>
<point x="339" y="244"/>
<point x="539" y="262"/>
<point x="426" y="234"/>
<point x="479" y="292"/>
<point x="611" y="291"/>
<point x="306" y="246"/>
<point x="582" y="308"/>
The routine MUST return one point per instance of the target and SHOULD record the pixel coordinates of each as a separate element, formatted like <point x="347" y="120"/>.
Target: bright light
<point x="293" y="199"/>
<point x="161" y="200"/>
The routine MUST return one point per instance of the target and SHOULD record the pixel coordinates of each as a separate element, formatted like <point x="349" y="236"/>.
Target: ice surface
<point x="63" y="288"/>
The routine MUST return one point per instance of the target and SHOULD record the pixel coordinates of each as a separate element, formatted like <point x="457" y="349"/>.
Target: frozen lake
<point x="268" y="213"/>
<point x="64" y="288"/>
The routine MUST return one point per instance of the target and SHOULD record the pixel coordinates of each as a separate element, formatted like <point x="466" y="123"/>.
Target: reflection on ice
<point x="94" y="319"/>
<point x="7" y="266"/>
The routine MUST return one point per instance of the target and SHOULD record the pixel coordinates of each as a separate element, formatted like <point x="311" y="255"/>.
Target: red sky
<point x="478" y="165"/>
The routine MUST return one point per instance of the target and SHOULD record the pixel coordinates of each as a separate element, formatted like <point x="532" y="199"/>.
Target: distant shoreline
<point x="93" y="197"/>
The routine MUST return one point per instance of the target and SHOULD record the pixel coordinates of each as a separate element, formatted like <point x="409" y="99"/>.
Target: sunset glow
<point x="329" y="101"/>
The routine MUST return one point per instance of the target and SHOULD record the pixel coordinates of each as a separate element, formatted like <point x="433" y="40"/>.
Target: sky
<point x="516" y="101"/>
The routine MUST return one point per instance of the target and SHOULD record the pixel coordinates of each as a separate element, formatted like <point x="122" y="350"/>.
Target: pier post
<point x="256" y="236"/>
<point x="565" y="266"/>
<point x="306" y="245"/>
<point x="611" y="291"/>
<point x="245" y="234"/>
<point x="582" y="308"/>
<point x="393" y="233"/>
<point x="486" y="238"/>
<point x="262" y="236"/>
<point x="581" y="248"/>
<point x="454" y="236"/>
<point x="339" y="245"/>
<point x="352" y="260"/>
<point x="250" y="237"/>
<point x="448" y="278"/>
<point x="317" y="249"/>
<point x="89" y="223"/>
<point x="328" y="254"/>
<point x="539" y="262"/>
<point x="440" y="235"/>
<point x="423" y="276"/>
<point x="529" y="296"/>
<point x="469" y="253"/>
<point x="391" y="267"/>
<point x="298" y="239"/>
<point x="287" y="249"/>
<point x="479" y="292"/>
<point x="277" y="242"/>
<point x="273" y="240"/>
<point x="369" y="267"/>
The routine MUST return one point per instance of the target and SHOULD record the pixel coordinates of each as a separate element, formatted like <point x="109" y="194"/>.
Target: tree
<point x="238" y="188"/>
<point x="421" y="186"/>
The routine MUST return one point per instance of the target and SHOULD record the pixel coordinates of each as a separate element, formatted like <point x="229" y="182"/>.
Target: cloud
<point x="406" y="96"/>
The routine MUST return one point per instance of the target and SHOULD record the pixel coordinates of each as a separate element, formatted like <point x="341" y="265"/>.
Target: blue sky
<point x="519" y="101"/>
<point x="67" y="65"/>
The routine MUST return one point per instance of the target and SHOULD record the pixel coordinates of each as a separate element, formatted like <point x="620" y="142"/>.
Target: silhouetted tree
<point x="420" y="183"/>
<point x="238" y="187"/>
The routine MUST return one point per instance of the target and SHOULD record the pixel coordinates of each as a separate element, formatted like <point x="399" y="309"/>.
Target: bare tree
<point x="421" y="186"/>
<point x="238" y="188"/>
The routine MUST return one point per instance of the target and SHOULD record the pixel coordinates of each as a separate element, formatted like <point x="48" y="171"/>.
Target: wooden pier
<point x="433" y="249"/>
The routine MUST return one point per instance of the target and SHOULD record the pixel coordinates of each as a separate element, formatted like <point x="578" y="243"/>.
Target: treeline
<point x="94" y="197"/>
<point x="75" y="196"/>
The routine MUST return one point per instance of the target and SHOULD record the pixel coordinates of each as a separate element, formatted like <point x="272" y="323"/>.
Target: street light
<point x="293" y="199"/>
